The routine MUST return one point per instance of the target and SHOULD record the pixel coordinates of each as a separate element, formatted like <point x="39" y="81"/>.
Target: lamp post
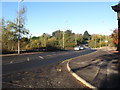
<point x="18" y="22"/>
<point x="116" y="8"/>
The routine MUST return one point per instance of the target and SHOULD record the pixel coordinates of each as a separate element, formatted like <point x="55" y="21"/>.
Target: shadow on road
<point x="112" y="82"/>
<point x="109" y="79"/>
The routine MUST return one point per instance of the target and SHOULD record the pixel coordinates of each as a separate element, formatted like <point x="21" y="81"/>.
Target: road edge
<point x="88" y="85"/>
<point x="85" y="83"/>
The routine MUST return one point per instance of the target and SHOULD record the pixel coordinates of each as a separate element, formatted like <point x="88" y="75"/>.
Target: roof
<point x="116" y="8"/>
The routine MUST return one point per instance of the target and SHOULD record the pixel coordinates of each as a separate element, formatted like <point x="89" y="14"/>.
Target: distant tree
<point x="17" y="29"/>
<point x="9" y="37"/>
<point x="20" y="29"/>
<point x="11" y="31"/>
<point x="86" y="36"/>
<point x="68" y="32"/>
<point x="34" y="44"/>
<point x="24" y="42"/>
<point x="43" y="39"/>
<point x="52" y="42"/>
<point x="69" y="38"/>
<point x="57" y="34"/>
<point x="35" y="38"/>
<point x="97" y="41"/>
<point x="114" y="36"/>
<point x="78" y="38"/>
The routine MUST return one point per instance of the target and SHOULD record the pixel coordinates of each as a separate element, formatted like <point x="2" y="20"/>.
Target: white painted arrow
<point x="41" y="57"/>
<point x="28" y="59"/>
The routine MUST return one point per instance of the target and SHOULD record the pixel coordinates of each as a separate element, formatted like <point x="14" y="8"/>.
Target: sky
<point x="47" y="17"/>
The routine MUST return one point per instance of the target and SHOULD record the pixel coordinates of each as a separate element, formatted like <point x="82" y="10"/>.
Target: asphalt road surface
<point x="51" y="76"/>
<point x="17" y="63"/>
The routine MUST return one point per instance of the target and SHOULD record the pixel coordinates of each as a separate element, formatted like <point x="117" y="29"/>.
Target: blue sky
<point x="46" y="17"/>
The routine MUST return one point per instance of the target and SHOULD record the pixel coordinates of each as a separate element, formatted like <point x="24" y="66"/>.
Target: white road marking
<point x="28" y="59"/>
<point x="11" y="62"/>
<point x="41" y="57"/>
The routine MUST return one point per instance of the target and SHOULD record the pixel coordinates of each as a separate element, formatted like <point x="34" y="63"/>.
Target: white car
<point x="81" y="48"/>
<point x="78" y="48"/>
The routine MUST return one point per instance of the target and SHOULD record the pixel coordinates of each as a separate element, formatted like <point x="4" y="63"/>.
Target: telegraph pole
<point x="75" y="40"/>
<point x="95" y="41"/>
<point x="63" y="40"/>
<point x="100" y="41"/>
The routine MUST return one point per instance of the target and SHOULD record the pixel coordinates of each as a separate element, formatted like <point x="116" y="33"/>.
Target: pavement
<point x="96" y="70"/>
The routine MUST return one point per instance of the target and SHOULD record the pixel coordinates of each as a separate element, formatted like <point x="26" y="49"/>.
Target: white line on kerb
<point x="41" y="57"/>
<point x="80" y="79"/>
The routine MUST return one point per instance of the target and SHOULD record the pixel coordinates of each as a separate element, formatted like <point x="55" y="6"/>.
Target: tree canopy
<point x="86" y="36"/>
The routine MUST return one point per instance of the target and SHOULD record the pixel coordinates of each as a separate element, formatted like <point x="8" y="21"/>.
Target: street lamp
<point x="18" y="22"/>
<point x="116" y="8"/>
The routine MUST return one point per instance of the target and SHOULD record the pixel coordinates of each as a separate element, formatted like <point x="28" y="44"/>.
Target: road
<point x="19" y="63"/>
